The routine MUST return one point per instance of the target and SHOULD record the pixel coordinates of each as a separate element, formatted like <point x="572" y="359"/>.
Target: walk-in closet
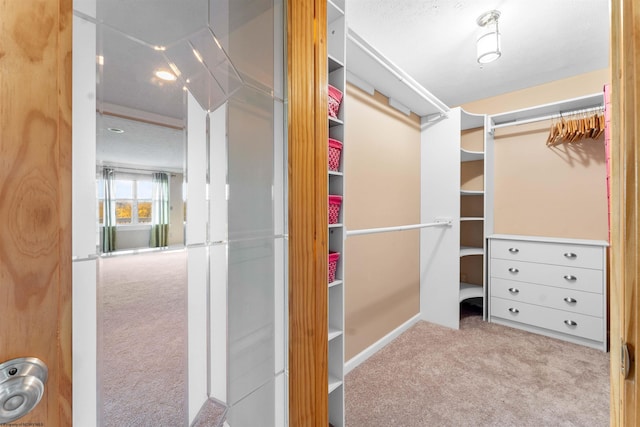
<point x="342" y="213"/>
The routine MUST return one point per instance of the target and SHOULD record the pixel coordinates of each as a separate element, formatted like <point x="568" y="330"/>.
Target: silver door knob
<point x="21" y="387"/>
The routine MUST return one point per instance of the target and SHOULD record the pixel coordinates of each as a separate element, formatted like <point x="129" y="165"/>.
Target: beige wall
<point x="539" y="191"/>
<point x="548" y="191"/>
<point x="572" y="87"/>
<point x="382" y="179"/>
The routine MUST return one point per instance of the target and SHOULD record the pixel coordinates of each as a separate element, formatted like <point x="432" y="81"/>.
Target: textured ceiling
<point x="140" y="146"/>
<point x="434" y="42"/>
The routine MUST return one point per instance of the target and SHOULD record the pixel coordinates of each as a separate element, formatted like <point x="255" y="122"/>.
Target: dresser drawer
<point x="582" y="279"/>
<point x="548" y="253"/>
<point x="562" y="299"/>
<point x="566" y="322"/>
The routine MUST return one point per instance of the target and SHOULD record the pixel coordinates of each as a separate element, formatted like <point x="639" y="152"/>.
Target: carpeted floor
<point x="482" y="375"/>
<point x="143" y="305"/>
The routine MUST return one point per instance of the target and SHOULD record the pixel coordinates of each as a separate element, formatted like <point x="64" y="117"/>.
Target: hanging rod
<point x="389" y="66"/>
<point x="437" y="223"/>
<point x="135" y="170"/>
<point x="547" y="117"/>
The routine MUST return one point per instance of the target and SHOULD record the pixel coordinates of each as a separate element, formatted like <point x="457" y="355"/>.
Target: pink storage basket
<point x="335" y="148"/>
<point x="334" y="208"/>
<point x="333" y="265"/>
<point x="335" y="98"/>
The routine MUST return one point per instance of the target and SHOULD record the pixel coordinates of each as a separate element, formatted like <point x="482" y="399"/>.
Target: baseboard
<point x="378" y="345"/>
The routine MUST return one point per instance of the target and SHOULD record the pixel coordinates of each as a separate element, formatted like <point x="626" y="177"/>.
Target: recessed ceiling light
<point x="160" y="48"/>
<point x="115" y="130"/>
<point x="165" y="75"/>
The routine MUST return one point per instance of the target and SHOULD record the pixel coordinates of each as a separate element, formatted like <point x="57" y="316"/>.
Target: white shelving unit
<point x="336" y="48"/>
<point x="452" y="265"/>
<point x="369" y="70"/>
<point x="535" y="306"/>
<point x="473" y="219"/>
<point x="544" y="111"/>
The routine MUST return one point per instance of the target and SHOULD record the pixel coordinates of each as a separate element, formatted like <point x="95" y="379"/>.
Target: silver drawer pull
<point x="570" y="255"/>
<point x="570" y="300"/>
<point x="514" y="310"/>
<point x="513" y="270"/>
<point x="514" y="250"/>
<point x="570" y="277"/>
<point x="570" y="323"/>
<point x="514" y="290"/>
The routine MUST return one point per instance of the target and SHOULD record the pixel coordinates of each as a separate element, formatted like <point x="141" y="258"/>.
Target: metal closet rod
<point x="548" y="117"/>
<point x="134" y="170"/>
<point x="408" y="81"/>
<point x="437" y="223"/>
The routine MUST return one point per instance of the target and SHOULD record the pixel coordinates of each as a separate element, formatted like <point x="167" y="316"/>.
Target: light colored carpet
<point x="143" y="326"/>
<point x="482" y="375"/>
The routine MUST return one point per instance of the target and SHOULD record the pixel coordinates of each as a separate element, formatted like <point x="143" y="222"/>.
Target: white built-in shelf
<point x="548" y="239"/>
<point x="471" y="218"/>
<point x="334" y="333"/>
<point x="471" y="192"/>
<point x="336" y="60"/>
<point x="470" y="156"/>
<point x="469" y="250"/>
<point x="369" y="69"/>
<point x="334" y="64"/>
<point x="333" y="11"/>
<point x="554" y="108"/>
<point x="335" y="122"/>
<point x="335" y="283"/>
<point x="468" y="290"/>
<point x="334" y="383"/>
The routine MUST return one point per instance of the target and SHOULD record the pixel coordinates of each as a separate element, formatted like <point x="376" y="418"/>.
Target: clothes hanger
<point x="553" y="132"/>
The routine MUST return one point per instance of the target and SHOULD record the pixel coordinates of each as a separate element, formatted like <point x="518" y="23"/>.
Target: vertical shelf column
<point x="336" y="47"/>
<point x="453" y="170"/>
<point x="472" y="207"/>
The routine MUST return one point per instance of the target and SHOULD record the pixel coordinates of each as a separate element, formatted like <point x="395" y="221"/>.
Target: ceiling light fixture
<point x="165" y="75"/>
<point x="115" y="130"/>
<point x="488" y="44"/>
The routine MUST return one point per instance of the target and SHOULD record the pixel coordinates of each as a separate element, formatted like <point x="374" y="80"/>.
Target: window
<point x="132" y="197"/>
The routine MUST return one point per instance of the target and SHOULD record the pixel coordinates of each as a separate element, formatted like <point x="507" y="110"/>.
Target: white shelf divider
<point x="470" y="156"/>
<point x="469" y="250"/>
<point x="334" y="383"/>
<point x="471" y="192"/>
<point x="468" y="290"/>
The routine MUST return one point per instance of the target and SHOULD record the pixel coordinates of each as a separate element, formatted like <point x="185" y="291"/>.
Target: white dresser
<point x="555" y="287"/>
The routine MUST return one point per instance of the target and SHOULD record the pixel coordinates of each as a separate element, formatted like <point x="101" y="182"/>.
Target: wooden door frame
<point x="307" y="86"/>
<point x="35" y="195"/>
<point x="625" y="238"/>
<point x="307" y="180"/>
